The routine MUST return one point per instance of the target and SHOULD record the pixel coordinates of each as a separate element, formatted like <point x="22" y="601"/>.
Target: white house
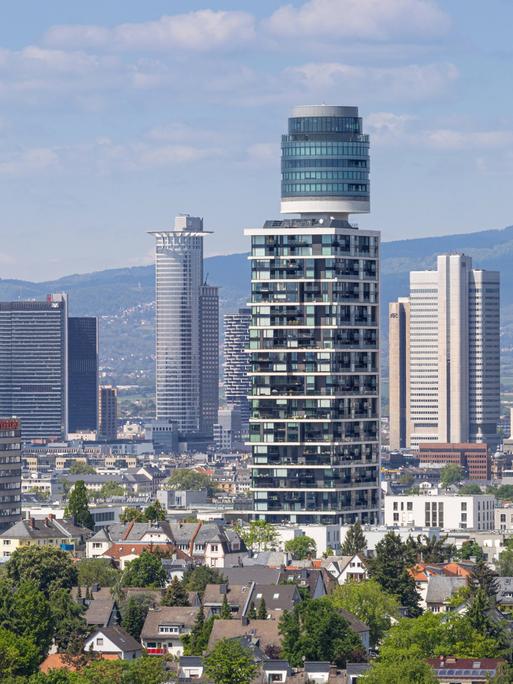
<point x="442" y="511"/>
<point x="190" y="667"/>
<point x="344" y="568"/>
<point x="165" y="627"/>
<point x="113" y="641"/>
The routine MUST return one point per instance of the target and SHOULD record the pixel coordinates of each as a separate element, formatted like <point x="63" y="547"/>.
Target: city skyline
<point x="105" y="134"/>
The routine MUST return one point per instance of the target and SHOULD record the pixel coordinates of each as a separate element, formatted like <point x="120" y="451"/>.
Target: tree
<point x="301" y="547"/>
<point x="175" y="594"/>
<point x="145" y="571"/>
<point x="78" y="506"/>
<point x="433" y="550"/>
<point x="48" y="566"/>
<point x="134" y="614"/>
<point x="369" y="603"/>
<point x="506" y="562"/>
<point x="79" y="468"/>
<point x="184" y="478"/>
<point x="409" y="670"/>
<point x="96" y="571"/>
<point x="470" y="549"/>
<point x="483" y="577"/>
<point x="31" y="616"/>
<point x="230" y="663"/>
<point x="131" y="515"/>
<point x="19" y="656"/>
<point x="505" y="493"/>
<point x="110" y="489"/>
<point x="196" y="579"/>
<point x="196" y="642"/>
<point x="154" y="512"/>
<point x="67" y="616"/>
<point x="259" y="535"/>
<point x="451" y="474"/>
<point x="262" y="610"/>
<point x="354" y="541"/>
<point x="469" y="489"/>
<point x="252" y="614"/>
<point x="225" y="613"/>
<point x="389" y="568"/>
<point x="316" y="630"/>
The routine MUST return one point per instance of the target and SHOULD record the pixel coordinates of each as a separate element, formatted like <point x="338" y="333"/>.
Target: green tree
<point x="408" y="670"/>
<point x="470" y="549"/>
<point x="316" y="630"/>
<point x="225" y="613"/>
<point x="19" y="656"/>
<point x="301" y="547"/>
<point x="369" y="603"/>
<point x="79" y="468"/>
<point x="252" y="614"/>
<point x="48" y="566"/>
<point x="175" y="594"/>
<point x="354" y="541"/>
<point x="78" y="506"/>
<point x="154" y="512"/>
<point x="433" y="550"/>
<point x="506" y="562"/>
<point x="505" y="493"/>
<point x="31" y="616"/>
<point x="196" y="642"/>
<point x="470" y="489"/>
<point x="196" y="579"/>
<point x="262" y="610"/>
<point x="184" y="478"/>
<point x="67" y="616"/>
<point x="389" y="568"/>
<point x="110" y="489"/>
<point x="133" y="614"/>
<point x="483" y="577"/>
<point x="451" y="474"/>
<point x="145" y="571"/>
<point x="96" y="571"/>
<point x="259" y="535"/>
<point x="131" y="515"/>
<point x="230" y="663"/>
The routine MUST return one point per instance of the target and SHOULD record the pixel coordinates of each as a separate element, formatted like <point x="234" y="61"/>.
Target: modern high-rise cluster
<point x="48" y="368"/>
<point x="187" y="333"/>
<point x="444" y="356"/>
<point x="314" y="335"/>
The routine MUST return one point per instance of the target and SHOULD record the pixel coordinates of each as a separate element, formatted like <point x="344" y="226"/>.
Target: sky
<point x="116" y="116"/>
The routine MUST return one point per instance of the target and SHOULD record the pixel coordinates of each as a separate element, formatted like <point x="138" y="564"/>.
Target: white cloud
<point x="202" y="31"/>
<point x="375" y="20"/>
<point x="29" y="161"/>
<point x="448" y="139"/>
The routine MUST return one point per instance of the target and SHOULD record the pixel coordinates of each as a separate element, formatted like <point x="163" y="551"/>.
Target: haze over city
<point x="117" y="116"/>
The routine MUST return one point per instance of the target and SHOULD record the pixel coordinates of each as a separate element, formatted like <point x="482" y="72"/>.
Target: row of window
<point x="309" y="149"/>
<point x="322" y="163"/>
<point x="324" y="175"/>
<point x="324" y="187"/>
<point x="325" y="124"/>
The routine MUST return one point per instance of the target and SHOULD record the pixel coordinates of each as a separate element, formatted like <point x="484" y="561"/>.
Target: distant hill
<point x="124" y="297"/>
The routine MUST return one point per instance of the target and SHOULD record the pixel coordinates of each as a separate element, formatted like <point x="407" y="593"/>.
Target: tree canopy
<point x="451" y="474"/>
<point x="230" y="663"/>
<point x="78" y="506"/>
<point x="258" y="535"/>
<point x="196" y="579"/>
<point x="145" y="571"/>
<point x="301" y="547"/>
<point x="354" y="541"/>
<point x="175" y="594"/>
<point x="185" y="478"/>
<point x="48" y="566"/>
<point x="96" y="571"/>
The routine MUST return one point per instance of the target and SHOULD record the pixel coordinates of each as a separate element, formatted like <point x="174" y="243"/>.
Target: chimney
<point x="32" y="523"/>
<point x="51" y="516"/>
<point x="244" y="621"/>
<point x="47" y="522"/>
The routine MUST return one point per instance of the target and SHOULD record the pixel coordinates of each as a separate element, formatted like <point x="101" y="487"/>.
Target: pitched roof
<point x="355" y="623"/>
<point x="277" y="597"/>
<point x="252" y="573"/>
<point x="118" y="551"/>
<point x="49" y="528"/>
<point x="174" y="615"/>
<point x="441" y="588"/>
<point x="119" y="637"/>
<point x="265" y="631"/>
<point x="99" y="611"/>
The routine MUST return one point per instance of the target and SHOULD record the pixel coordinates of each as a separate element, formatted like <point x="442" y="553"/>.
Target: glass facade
<point x="82" y="374"/>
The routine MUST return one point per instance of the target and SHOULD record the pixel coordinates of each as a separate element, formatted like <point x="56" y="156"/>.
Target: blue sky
<point x="115" y="116"/>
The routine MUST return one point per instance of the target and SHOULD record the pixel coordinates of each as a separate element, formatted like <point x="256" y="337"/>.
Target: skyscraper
<point x="10" y="472"/>
<point x="454" y="355"/>
<point x="182" y="395"/>
<point x="33" y="366"/>
<point x="107" y="412"/>
<point x="82" y="374"/>
<point x="399" y="371"/>
<point x="314" y="426"/>
<point x="237" y="383"/>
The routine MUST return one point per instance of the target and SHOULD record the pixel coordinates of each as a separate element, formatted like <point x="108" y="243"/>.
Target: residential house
<point x="264" y="632"/>
<point x="344" y="568"/>
<point x="440" y="590"/>
<point x="309" y="579"/>
<point x="63" y="534"/>
<point x="464" y="670"/>
<point x="275" y="671"/>
<point x="165" y="627"/>
<point x="237" y="597"/>
<point x="190" y="667"/>
<point x="358" y="627"/>
<point x="113" y="642"/>
<point x="121" y="554"/>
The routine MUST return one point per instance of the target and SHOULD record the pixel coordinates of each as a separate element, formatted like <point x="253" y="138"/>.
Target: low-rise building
<point x="63" y="534"/>
<point x="165" y="627"/>
<point x="113" y="642"/>
<point x="443" y="511"/>
<point x="464" y="670"/>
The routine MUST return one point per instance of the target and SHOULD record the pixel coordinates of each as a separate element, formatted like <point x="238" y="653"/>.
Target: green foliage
<point x="145" y="670"/>
<point x="110" y="489"/>
<point x="301" y="547"/>
<point x="196" y="642"/>
<point x="506" y="563"/>
<point x="196" y="579"/>
<point x="132" y="514"/>
<point x="315" y="630"/>
<point x="184" y="478"/>
<point x="258" y="535"/>
<point x="48" y="566"/>
<point x="133" y="614"/>
<point x="19" y="656"/>
<point x="262" y="610"/>
<point x="154" y="512"/>
<point x="145" y="571"/>
<point x="175" y="594"/>
<point x="470" y="549"/>
<point x="369" y="603"/>
<point x="230" y="663"/>
<point x="30" y="615"/>
<point x="96" y="571"/>
<point x="78" y="506"/>
<point x="483" y="577"/>
<point x="504" y="493"/>
<point x="79" y="468"/>
<point x="389" y="568"/>
<point x="451" y="474"/>
<point x="225" y="613"/>
<point x="470" y="489"/>
<point x="67" y="616"/>
<point x="408" y="670"/>
<point x="433" y="550"/>
<point x="354" y="541"/>
<point x="252" y="614"/>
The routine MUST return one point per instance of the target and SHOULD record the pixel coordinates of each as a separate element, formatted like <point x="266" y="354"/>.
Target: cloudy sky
<point x="115" y="116"/>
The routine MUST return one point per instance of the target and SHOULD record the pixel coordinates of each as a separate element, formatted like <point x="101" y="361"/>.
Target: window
<point x="409" y="506"/>
<point x="99" y="641"/>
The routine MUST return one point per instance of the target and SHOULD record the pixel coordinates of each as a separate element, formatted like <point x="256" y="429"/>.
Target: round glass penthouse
<point x="325" y="162"/>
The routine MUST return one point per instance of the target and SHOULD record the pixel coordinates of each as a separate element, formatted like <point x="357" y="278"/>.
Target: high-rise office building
<point x="33" y="366"/>
<point x="399" y="371"/>
<point x="181" y="392"/>
<point x="209" y="359"/>
<point x="10" y="472"/>
<point x="314" y="338"/>
<point x="82" y="374"/>
<point x="237" y="384"/>
<point x="454" y="354"/>
<point x="107" y="412"/>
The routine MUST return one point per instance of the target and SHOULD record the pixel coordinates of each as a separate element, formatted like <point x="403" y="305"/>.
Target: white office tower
<point x="314" y="342"/>
<point x="180" y="329"/>
<point x="454" y="357"/>
<point x="237" y="383"/>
